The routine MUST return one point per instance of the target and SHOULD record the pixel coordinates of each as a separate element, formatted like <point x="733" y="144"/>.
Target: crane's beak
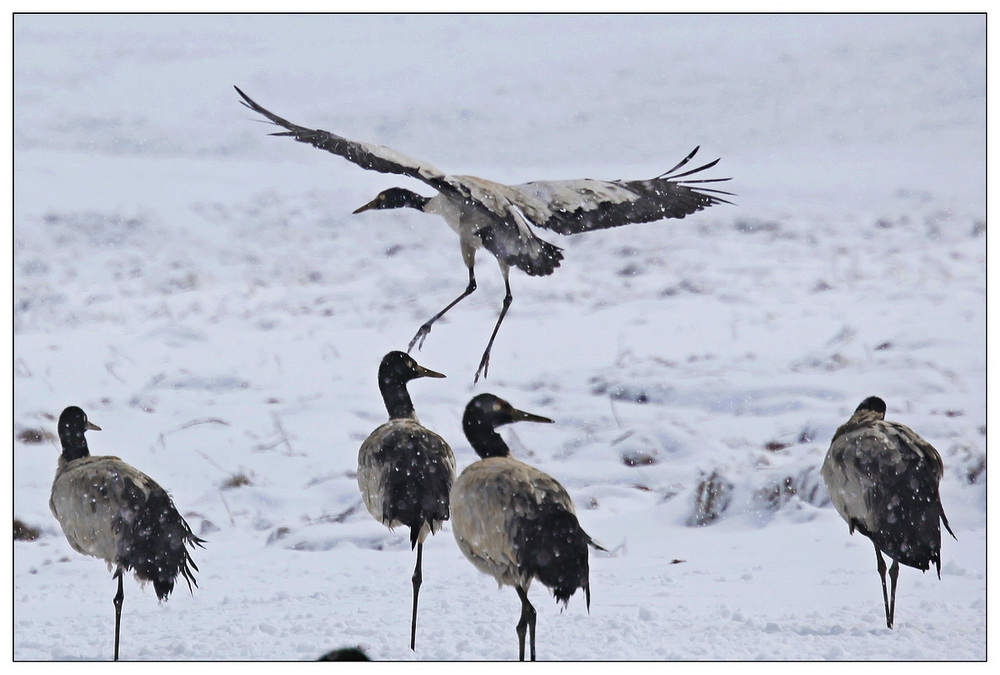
<point x="521" y="416"/>
<point x="427" y="372"/>
<point x="92" y="427"/>
<point x="367" y="207"/>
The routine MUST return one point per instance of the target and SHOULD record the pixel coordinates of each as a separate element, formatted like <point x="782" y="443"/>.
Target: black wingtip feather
<point x="682" y="162"/>
<point x="672" y="176"/>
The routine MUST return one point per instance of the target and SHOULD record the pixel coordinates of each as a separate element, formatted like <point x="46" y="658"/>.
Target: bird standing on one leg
<point x="405" y="471"/>
<point x="515" y="522"/>
<point x="883" y="480"/>
<point x="499" y="217"/>
<point x="110" y="510"/>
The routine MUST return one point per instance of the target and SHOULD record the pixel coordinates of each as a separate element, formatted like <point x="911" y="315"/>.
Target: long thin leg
<point x="893" y="575"/>
<point x="119" y="598"/>
<point x="417" y="579"/>
<point x="484" y="365"/>
<point x="885" y="593"/>
<point x="527" y="621"/>
<point x="426" y="328"/>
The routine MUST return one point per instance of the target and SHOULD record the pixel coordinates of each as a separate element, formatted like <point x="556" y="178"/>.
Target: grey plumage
<point x="110" y="510"/>
<point x="499" y="217"/>
<point x="514" y="522"/>
<point x="405" y="471"/>
<point x="883" y="480"/>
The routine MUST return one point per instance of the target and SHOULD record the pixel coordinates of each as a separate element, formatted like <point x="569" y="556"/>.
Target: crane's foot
<point x="484" y="368"/>
<point x="419" y="338"/>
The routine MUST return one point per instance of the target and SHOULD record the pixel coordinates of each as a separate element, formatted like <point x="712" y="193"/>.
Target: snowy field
<point x="202" y="290"/>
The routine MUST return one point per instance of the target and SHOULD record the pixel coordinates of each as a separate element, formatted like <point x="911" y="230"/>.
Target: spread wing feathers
<point x="112" y="511"/>
<point x="883" y="479"/>
<point x="366" y="155"/>
<point x="406" y="473"/>
<point x="574" y="206"/>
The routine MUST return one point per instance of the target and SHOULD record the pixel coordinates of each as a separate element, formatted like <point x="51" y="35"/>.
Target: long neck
<point x="396" y="398"/>
<point x="74" y="444"/>
<point x="484" y="438"/>
<point x="415" y="201"/>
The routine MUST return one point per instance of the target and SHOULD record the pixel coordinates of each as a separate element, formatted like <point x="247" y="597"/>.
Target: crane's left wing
<point x="573" y="206"/>
<point x="366" y="155"/>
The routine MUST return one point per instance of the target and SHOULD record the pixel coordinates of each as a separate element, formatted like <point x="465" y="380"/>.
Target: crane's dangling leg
<point x="119" y="598"/>
<point x="885" y="593"/>
<point x="417" y="579"/>
<point x="527" y="621"/>
<point x="484" y="365"/>
<point x="893" y="575"/>
<point x="426" y="328"/>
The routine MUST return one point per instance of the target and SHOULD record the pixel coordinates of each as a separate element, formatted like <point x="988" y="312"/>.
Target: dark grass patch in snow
<point x="237" y="480"/>
<point x="34" y="436"/>
<point x="711" y="498"/>
<point x="24" y="532"/>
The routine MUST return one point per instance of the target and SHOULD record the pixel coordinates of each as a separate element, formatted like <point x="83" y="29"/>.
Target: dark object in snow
<point x="345" y="654"/>
<point x="34" y="436"/>
<point x="405" y="471"/>
<point x="883" y="480"/>
<point x="499" y="217"/>
<point x="711" y="499"/>
<point x="110" y="510"/>
<point x="23" y="532"/>
<point x="236" y="480"/>
<point x="514" y="522"/>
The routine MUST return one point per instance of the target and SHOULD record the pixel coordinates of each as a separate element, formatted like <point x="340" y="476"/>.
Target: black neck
<point x="74" y="445"/>
<point x="396" y="398"/>
<point x="415" y="201"/>
<point x="484" y="438"/>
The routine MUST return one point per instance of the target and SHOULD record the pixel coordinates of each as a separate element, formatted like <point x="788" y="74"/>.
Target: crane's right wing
<point x="366" y="155"/>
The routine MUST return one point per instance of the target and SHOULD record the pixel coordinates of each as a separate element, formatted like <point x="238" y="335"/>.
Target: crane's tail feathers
<point x="594" y="545"/>
<point x="944" y="519"/>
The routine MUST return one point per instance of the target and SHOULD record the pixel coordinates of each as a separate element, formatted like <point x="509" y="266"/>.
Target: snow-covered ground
<point x="202" y="290"/>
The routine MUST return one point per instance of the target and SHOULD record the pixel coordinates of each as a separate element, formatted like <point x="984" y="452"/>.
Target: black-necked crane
<point x="514" y="522"/>
<point x="112" y="511"/>
<point x="405" y="471"/>
<point x="499" y="217"/>
<point x="883" y="480"/>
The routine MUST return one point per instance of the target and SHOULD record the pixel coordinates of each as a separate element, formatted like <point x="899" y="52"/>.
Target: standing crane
<point x="514" y="522"/>
<point x="500" y="217"/>
<point x="883" y="480"/>
<point x="113" y="511"/>
<point x="405" y="471"/>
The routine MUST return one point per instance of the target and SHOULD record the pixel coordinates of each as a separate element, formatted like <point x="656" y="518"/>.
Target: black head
<point x="483" y="415"/>
<point x="494" y="412"/>
<point x="345" y="654"/>
<point x="73" y="423"/>
<point x="874" y="404"/>
<point x="395" y="198"/>
<point x="400" y="368"/>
